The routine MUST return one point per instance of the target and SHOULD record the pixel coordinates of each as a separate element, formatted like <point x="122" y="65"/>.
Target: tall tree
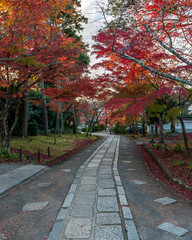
<point x="29" y="30"/>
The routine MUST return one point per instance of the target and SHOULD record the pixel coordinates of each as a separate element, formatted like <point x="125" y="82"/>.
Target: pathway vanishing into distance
<point x="104" y="192"/>
<point x="96" y="206"/>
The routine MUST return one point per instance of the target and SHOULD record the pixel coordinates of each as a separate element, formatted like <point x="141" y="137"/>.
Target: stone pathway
<point x="95" y="202"/>
<point x="96" y="206"/>
<point x="13" y="178"/>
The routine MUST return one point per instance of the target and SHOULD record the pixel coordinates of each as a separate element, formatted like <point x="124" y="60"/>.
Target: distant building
<point x="167" y="127"/>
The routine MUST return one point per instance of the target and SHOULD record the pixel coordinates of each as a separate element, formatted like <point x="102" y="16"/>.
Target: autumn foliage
<point x="38" y="45"/>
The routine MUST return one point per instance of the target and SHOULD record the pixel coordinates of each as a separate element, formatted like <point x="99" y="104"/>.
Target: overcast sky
<point x="95" y="21"/>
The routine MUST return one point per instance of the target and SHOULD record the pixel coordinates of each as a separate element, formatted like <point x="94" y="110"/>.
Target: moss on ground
<point x="64" y="144"/>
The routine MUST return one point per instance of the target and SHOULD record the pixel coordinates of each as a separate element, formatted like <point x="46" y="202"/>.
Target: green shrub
<point x="178" y="148"/>
<point x="84" y="129"/>
<point x="165" y="148"/>
<point x="5" y="156"/>
<point x="96" y="128"/>
<point x="120" y="129"/>
<point x="189" y="166"/>
<point x="156" y="146"/>
<point x="179" y="163"/>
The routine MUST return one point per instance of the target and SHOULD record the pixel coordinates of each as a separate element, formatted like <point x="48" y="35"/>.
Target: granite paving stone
<point x="83" y="204"/>
<point x="90" y="173"/>
<point x="165" y="200"/>
<point x="120" y="190"/>
<point x="171" y="228"/>
<point x="66" y="170"/>
<point x="95" y="161"/>
<point x="62" y="214"/>
<point x="101" y="151"/>
<point x="87" y="188"/>
<point x="116" y="173"/>
<point x="35" y="206"/>
<point x="44" y="184"/>
<point x="108" y="218"/>
<point x="117" y="178"/>
<point x="56" y="231"/>
<point x="105" y="171"/>
<point x="107" y="204"/>
<point x="88" y="180"/>
<point x="68" y="200"/>
<point x="119" y="183"/>
<point x="127" y="213"/>
<point x="78" y="175"/>
<point x="76" y="180"/>
<point x="99" y="156"/>
<point x="82" y="211"/>
<point x="93" y="165"/>
<point x="106" y="176"/>
<point x="123" y="200"/>
<point x="73" y="188"/>
<point x="78" y="228"/>
<point x="109" y="232"/>
<point x="106" y="183"/>
<point x="106" y="192"/>
<point x="80" y="170"/>
<point x="138" y="182"/>
<point x="131" y="230"/>
<point x="126" y="161"/>
<point x="104" y="167"/>
<point x="131" y="169"/>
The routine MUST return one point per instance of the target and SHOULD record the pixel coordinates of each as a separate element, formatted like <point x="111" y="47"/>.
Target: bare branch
<point x="165" y="75"/>
<point x="170" y="49"/>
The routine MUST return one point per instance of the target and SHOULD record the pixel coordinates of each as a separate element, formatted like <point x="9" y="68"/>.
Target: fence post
<point x="48" y="149"/>
<point x="20" y="154"/>
<point x="38" y="155"/>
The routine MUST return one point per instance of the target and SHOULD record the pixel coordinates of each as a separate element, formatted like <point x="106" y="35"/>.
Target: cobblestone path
<point x="96" y="206"/>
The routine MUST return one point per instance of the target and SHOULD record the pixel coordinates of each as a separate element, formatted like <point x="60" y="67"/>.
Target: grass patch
<point x="63" y="144"/>
<point x="66" y="145"/>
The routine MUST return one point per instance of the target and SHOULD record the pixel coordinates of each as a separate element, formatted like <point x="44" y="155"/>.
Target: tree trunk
<point x="91" y="129"/>
<point x="57" y="123"/>
<point x="106" y="122"/>
<point x="61" y="130"/>
<point x="185" y="137"/>
<point x="156" y="130"/>
<point x="160" y="130"/>
<point x="172" y="126"/>
<point x="64" y="120"/>
<point x="87" y="134"/>
<point x="24" y="130"/>
<point x="44" y="107"/>
<point x="75" y="122"/>
<point x="143" y="127"/>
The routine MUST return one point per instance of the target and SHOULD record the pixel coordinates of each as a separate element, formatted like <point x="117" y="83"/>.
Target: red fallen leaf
<point x="46" y="237"/>
<point x="159" y="174"/>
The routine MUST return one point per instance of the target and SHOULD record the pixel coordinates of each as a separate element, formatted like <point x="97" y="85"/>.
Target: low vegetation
<point x="65" y="145"/>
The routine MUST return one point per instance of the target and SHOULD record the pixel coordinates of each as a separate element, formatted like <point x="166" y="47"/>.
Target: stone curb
<point x="157" y="160"/>
<point x="127" y="217"/>
<point x="18" y="176"/>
